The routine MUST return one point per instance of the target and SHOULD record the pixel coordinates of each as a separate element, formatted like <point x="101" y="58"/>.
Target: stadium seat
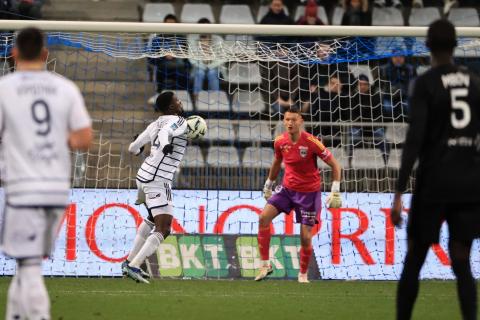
<point x="244" y="73"/>
<point x="395" y="158"/>
<point x="193" y="157"/>
<point x="423" y="16"/>
<point x="367" y="159"/>
<point x="254" y="157"/>
<point x="337" y="16"/>
<point x="262" y="11"/>
<point x="219" y="130"/>
<point x="248" y="101"/>
<point x="192" y="12"/>
<point x="236" y="14"/>
<point x="184" y="96"/>
<point x="387" y="17"/>
<point x="396" y="134"/>
<point x="156" y="12"/>
<point x="254" y="130"/>
<point x="213" y="101"/>
<point x="223" y="157"/>
<point x="464" y="17"/>
<point x="321" y="13"/>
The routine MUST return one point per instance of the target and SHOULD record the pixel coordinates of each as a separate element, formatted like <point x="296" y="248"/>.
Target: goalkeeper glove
<point x="267" y="189"/>
<point x="141" y="148"/>
<point x="168" y="149"/>
<point x="334" y="199"/>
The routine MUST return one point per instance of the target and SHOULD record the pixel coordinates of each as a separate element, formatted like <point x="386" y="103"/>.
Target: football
<point x="196" y="127"/>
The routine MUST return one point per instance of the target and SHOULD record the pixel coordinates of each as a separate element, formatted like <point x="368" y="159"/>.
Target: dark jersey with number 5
<point x="38" y="110"/>
<point x="444" y="135"/>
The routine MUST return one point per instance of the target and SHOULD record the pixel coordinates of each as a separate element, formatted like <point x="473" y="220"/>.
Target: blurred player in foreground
<point x="444" y="135"/>
<point x="167" y="136"/>
<point x="42" y="118"/>
<point x="300" y="190"/>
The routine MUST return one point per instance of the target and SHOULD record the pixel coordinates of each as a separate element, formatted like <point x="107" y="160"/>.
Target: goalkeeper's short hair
<point x="441" y="36"/>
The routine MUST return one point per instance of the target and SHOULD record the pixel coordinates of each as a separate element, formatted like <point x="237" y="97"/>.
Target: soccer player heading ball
<point x="300" y="190"/>
<point x="444" y="135"/>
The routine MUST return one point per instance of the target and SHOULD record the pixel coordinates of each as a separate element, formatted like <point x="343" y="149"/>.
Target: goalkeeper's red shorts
<point x="426" y="218"/>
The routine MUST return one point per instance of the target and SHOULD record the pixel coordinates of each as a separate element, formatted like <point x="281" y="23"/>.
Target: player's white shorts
<point x="156" y="196"/>
<point x="29" y="232"/>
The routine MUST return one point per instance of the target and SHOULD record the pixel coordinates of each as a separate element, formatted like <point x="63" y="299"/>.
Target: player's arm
<point x="413" y="144"/>
<point x="274" y="171"/>
<point x="136" y="147"/>
<point x="174" y="128"/>
<point x="80" y="134"/>
<point x="80" y="139"/>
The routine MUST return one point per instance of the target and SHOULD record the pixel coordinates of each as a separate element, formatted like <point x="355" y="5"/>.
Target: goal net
<point x="353" y="92"/>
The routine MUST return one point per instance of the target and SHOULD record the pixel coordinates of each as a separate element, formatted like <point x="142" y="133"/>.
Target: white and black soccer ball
<point x="196" y="127"/>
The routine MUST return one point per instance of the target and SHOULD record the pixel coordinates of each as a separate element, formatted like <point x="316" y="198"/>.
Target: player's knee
<point x="264" y="221"/>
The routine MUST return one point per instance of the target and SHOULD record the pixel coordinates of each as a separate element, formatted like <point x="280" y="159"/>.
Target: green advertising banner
<point x="226" y="256"/>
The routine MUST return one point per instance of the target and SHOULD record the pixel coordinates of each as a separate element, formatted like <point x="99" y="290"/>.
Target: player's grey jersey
<point x="38" y="109"/>
<point x="160" y="167"/>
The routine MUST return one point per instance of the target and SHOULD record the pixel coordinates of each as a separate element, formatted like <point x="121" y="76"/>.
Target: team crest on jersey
<point x="303" y="151"/>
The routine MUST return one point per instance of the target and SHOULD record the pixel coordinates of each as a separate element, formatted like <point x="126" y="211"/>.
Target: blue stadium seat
<point x="221" y="130"/>
<point x="387" y="17"/>
<point x="253" y="131"/>
<point x="193" y="157"/>
<point x="248" y="101"/>
<point x="223" y="157"/>
<point x="423" y="16"/>
<point x="244" y="73"/>
<point x="213" y="101"/>
<point x="254" y="157"/>
<point x="464" y="17"/>
<point x="337" y="16"/>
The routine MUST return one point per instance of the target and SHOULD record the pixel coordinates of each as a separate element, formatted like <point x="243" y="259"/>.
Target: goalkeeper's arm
<point x="334" y="199"/>
<point x="272" y="176"/>
<point x="136" y="147"/>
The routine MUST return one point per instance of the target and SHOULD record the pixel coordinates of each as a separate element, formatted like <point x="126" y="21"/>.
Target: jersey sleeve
<point x="78" y="117"/>
<point x="174" y="128"/>
<point x="319" y="149"/>
<point x="416" y="132"/>
<point x="277" y="150"/>
<point x="142" y="139"/>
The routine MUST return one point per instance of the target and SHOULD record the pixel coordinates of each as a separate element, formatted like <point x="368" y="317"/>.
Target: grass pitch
<point x="120" y="299"/>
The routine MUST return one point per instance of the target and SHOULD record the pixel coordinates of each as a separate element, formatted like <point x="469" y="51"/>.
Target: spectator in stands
<point x="171" y="73"/>
<point x="357" y="13"/>
<point x="310" y="18"/>
<point x="28" y="9"/>
<point x="395" y="77"/>
<point x="209" y="69"/>
<point x="276" y="14"/>
<point x="365" y="107"/>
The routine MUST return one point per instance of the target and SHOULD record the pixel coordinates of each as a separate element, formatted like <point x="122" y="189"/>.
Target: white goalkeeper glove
<point x="267" y="189"/>
<point x="334" y="199"/>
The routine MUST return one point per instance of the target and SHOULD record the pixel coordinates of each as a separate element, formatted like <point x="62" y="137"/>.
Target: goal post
<point x="352" y="86"/>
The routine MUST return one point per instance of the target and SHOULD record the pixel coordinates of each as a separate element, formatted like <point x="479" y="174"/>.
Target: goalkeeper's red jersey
<point x="300" y="159"/>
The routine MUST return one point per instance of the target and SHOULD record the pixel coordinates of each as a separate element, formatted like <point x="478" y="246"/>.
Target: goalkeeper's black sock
<point x="466" y="286"/>
<point x="407" y="289"/>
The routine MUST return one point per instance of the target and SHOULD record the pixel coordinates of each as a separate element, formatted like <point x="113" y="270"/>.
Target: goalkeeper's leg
<point x="466" y="286"/>
<point x="268" y="214"/>
<point x="407" y="289"/>
<point x="305" y="252"/>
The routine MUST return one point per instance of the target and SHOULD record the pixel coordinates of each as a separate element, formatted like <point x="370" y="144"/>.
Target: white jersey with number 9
<point x="38" y="110"/>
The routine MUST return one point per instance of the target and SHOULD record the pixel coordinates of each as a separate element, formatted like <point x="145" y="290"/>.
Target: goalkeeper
<point x="300" y="190"/>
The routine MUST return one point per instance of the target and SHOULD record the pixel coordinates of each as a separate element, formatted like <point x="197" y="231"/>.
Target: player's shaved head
<point x="29" y="44"/>
<point x="441" y="37"/>
<point x="167" y="103"/>
<point x="294" y="110"/>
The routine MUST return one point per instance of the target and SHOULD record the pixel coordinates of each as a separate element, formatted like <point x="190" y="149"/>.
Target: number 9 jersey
<point x="38" y="110"/>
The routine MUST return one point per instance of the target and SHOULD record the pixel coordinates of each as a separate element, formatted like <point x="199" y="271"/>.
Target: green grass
<point x="197" y="299"/>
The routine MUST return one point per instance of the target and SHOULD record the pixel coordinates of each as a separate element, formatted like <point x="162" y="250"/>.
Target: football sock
<point x="148" y="248"/>
<point x="14" y="302"/>
<point x="142" y="234"/>
<point x="466" y="286"/>
<point x="264" y="243"/>
<point x="305" y="254"/>
<point x="34" y="295"/>
<point x="407" y="289"/>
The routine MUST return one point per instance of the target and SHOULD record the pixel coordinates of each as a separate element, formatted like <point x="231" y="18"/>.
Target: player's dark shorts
<point x="426" y="218"/>
<point x="306" y="204"/>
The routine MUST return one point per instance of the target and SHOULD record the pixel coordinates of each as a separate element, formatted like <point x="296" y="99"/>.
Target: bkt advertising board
<point x="214" y="236"/>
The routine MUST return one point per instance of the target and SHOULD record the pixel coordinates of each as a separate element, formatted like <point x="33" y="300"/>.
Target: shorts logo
<point x="303" y="151"/>
<point x="153" y="196"/>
